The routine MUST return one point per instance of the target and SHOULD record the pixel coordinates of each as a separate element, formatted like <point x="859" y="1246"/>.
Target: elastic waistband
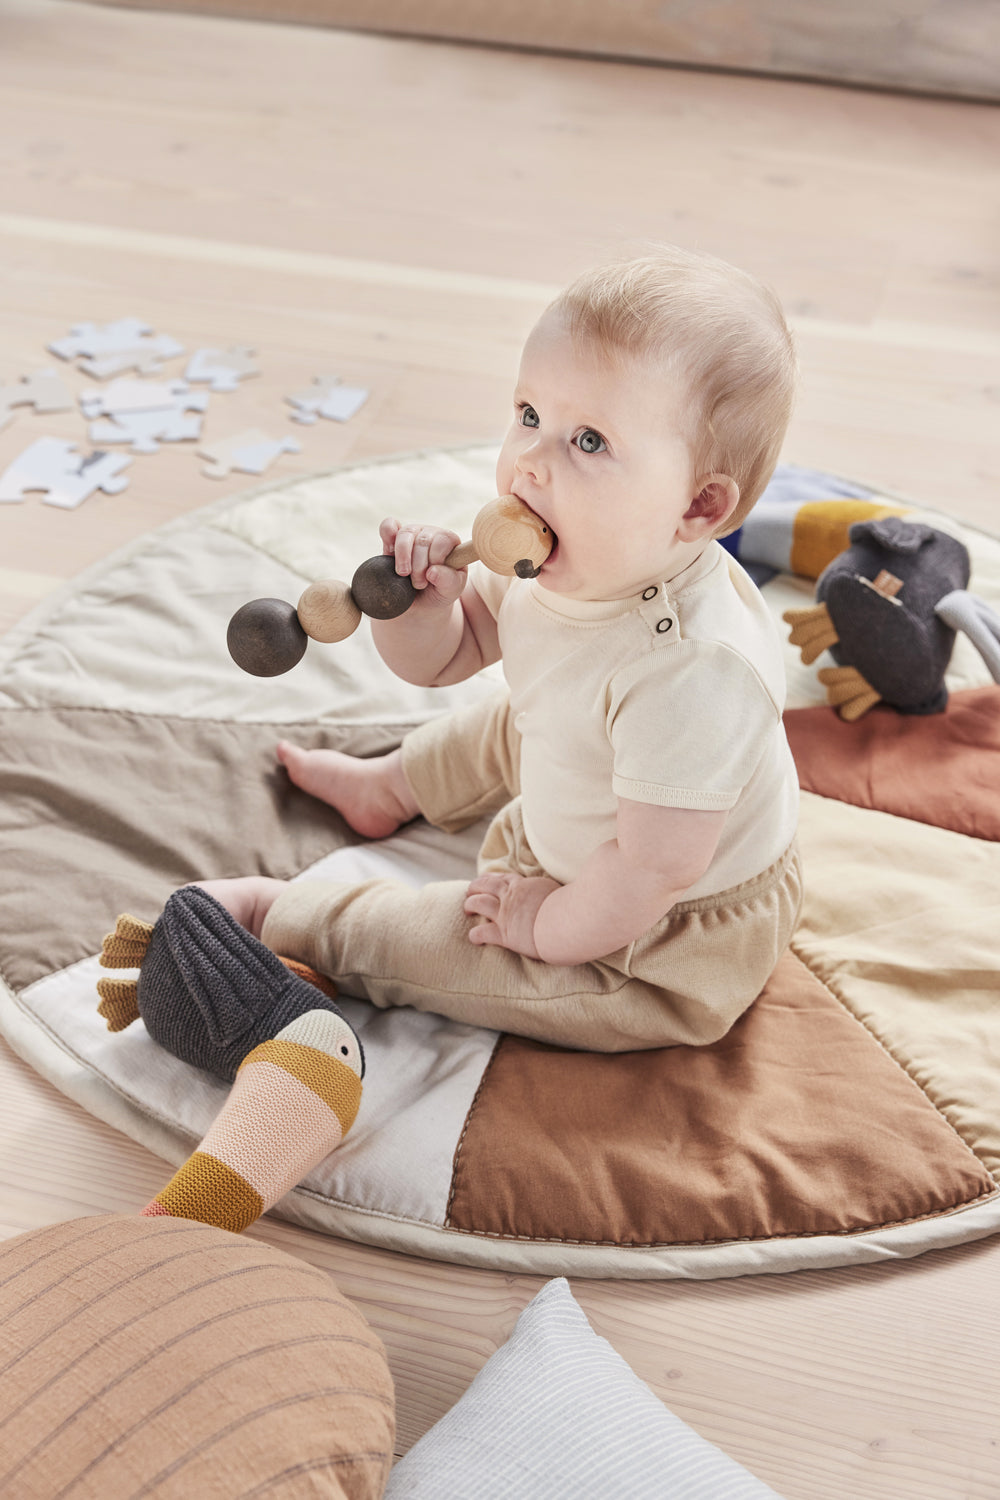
<point x="757" y="885"/>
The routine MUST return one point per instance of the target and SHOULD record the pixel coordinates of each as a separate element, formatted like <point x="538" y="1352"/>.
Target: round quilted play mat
<point x="851" y="1115"/>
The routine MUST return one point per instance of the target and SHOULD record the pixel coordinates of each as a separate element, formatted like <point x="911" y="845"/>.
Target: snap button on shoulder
<point x="651" y="592"/>
<point x="662" y="626"/>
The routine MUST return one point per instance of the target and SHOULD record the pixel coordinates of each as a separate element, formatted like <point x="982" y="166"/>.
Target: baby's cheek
<point x="505" y="463"/>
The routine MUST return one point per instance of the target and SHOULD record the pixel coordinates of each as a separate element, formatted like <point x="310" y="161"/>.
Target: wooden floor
<point x="396" y="212"/>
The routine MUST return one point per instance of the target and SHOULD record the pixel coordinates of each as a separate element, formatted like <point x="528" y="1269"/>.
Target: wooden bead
<point x="327" y="611"/>
<point x="379" y="591"/>
<point x="265" y="637"/>
<point x="510" y="538"/>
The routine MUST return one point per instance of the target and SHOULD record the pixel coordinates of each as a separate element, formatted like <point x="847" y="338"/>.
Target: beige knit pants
<point x="687" y="980"/>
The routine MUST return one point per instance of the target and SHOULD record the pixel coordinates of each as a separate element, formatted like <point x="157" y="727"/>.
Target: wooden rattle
<point x="268" y="636"/>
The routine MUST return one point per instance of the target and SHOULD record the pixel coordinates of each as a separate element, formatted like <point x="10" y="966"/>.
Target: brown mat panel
<point x="942" y="769"/>
<point x="103" y="812"/>
<point x="795" y="1123"/>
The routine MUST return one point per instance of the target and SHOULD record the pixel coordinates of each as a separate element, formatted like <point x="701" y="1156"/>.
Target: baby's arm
<point x="623" y="889"/>
<point x="448" y="633"/>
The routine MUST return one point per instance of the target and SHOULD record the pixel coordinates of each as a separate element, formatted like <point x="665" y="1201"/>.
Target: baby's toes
<point x="293" y="758"/>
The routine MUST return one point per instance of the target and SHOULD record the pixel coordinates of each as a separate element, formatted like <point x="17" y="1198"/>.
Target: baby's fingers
<point x="486" y="936"/>
<point x="446" y="583"/>
<point x="387" y="531"/>
<point x="481" y="904"/>
<point x="494" y="881"/>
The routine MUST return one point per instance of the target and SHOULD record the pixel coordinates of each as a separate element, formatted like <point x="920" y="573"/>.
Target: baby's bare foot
<point x="248" y="898"/>
<point x="372" y="795"/>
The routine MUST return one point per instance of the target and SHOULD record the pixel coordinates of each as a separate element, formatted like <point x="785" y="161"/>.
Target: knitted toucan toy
<point x="888" y="610"/>
<point x="213" y="995"/>
<point x="891" y="593"/>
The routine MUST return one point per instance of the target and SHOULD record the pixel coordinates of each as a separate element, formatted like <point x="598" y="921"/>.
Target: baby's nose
<point x="531" y="461"/>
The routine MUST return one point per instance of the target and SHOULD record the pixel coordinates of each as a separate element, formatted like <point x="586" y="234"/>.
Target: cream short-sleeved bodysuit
<point x="673" y="696"/>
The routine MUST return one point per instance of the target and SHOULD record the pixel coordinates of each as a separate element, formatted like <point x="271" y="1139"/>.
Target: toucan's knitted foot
<point x="294" y="1099"/>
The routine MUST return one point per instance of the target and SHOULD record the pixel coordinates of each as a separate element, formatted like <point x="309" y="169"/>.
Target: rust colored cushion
<point x="164" y="1357"/>
<point x="941" y="769"/>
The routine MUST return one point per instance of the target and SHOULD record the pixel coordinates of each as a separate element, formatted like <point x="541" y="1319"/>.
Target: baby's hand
<point x="419" y="553"/>
<point x="510" y="905"/>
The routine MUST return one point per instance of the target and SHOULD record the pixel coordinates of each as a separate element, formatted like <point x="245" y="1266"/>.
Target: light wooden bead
<point x="510" y="539"/>
<point x="327" y="611"/>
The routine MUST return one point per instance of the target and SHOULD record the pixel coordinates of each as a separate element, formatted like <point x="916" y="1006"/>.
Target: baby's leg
<point x="454" y="770"/>
<point x="465" y="765"/>
<point x="394" y="945"/>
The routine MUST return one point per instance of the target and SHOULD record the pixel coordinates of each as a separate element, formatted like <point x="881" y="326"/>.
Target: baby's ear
<point x="716" y="497"/>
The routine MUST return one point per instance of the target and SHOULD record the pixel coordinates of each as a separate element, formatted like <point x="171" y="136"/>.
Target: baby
<point x="639" y="878"/>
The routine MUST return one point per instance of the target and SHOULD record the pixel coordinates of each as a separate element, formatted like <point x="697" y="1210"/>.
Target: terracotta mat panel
<point x="943" y="769"/>
<point x="795" y="1123"/>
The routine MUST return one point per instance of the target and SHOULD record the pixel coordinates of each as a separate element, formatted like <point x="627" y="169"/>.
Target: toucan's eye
<point x="529" y="417"/>
<point x="590" y="441"/>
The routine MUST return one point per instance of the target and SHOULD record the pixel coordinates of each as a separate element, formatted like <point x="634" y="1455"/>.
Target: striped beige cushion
<point x="162" y="1357"/>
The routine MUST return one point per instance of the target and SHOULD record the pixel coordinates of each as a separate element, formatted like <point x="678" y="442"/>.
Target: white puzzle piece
<point x="327" y="397"/>
<point x="146" y="430"/>
<point x="222" y="368"/>
<point x="147" y="359"/>
<point x="110" y="350"/>
<point x="123" y="396"/>
<point x="56" y="469"/>
<point x="44" y="390"/>
<point x="144" y="413"/>
<point x="247" y="452"/>
<point x="89" y="339"/>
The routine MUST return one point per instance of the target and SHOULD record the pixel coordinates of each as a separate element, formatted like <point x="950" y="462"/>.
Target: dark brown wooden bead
<point x="265" y="637"/>
<point x="379" y="591"/>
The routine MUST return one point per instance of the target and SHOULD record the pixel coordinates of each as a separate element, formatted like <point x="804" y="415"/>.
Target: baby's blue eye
<point x="529" y="417"/>
<point x="590" y="441"/>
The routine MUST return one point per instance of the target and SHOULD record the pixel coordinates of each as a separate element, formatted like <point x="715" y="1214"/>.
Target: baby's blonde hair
<point x="725" y="334"/>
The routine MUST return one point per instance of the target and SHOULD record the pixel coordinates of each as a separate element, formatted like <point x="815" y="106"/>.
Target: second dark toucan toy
<point x="888" y="609"/>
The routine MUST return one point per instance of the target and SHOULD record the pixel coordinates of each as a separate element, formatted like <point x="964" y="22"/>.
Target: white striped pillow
<point x="556" y="1412"/>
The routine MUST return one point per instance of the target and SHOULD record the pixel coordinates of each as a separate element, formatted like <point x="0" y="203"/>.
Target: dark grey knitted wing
<point x="229" y="974"/>
<point x="209" y="991"/>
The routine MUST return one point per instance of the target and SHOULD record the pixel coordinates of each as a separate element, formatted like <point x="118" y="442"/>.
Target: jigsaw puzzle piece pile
<point x="141" y="413"/>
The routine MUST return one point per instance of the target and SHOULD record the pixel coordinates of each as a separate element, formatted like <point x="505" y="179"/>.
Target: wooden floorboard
<point x="396" y="212"/>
